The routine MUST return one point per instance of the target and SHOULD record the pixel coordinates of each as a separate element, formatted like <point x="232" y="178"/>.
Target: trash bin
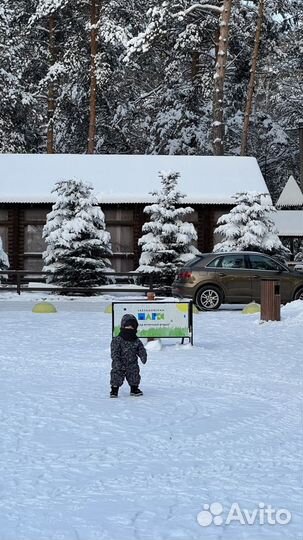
<point x="270" y="300"/>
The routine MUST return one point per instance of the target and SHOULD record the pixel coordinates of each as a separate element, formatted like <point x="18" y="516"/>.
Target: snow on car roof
<point x="128" y="178"/>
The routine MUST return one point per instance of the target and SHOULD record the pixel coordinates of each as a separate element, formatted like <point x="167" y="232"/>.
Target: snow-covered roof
<point x="289" y="222"/>
<point x="128" y="178"/>
<point x="291" y="194"/>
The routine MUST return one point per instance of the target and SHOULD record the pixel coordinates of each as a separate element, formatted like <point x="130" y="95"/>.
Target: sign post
<point x="156" y="319"/>
<point x="150" y="297"/>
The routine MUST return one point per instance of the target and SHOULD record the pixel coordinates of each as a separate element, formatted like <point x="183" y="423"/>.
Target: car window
<point x="215" y="263"/>
<point x="197" y="261"/>
<point x="259" y="262"/>
<point x="228" y="261"/>
<point x="233" y="261"/>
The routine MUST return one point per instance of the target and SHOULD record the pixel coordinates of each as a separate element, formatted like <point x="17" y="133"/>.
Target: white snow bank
<point x="293" y="313"/>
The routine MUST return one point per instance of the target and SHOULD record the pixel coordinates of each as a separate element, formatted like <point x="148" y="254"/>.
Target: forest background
<point x="142" y="76"/>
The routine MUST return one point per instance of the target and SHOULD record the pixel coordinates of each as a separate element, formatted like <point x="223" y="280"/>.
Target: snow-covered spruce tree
<point x="167" y="242"/>
<point x="78" y="245"/>
<point x="299" y="255"/>
<point x="19" y="119"/>
<point x="249" y="227"/>
<point x="4" y="264"/>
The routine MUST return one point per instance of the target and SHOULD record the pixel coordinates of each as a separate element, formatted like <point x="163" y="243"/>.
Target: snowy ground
<point x="219" y="422"/>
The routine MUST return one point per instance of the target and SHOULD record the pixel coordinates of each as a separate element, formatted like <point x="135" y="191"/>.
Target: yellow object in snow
<point x="108" y="309"/>
<point x="252" y="307"/>
<point x="44" y="307"/>
<point x="183" y="307"/>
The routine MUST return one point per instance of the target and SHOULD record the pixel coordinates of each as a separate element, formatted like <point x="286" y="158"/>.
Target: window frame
<point x="280" y="267"/>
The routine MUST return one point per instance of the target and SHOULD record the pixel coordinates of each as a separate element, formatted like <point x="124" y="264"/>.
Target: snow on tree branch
<point x="46" y="8"/>
<point x="200" y="7"/>
<point x="143" y="41"/>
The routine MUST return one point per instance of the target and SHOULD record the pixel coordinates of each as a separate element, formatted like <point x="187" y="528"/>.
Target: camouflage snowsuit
<point x="125" y="361"/>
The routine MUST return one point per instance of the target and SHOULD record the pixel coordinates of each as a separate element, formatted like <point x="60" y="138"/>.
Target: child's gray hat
<point x="129" y="320"/>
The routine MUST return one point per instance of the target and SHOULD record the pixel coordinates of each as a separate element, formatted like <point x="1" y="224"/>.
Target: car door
<point x="264" y="267"/>
<point x="231" y="274"/>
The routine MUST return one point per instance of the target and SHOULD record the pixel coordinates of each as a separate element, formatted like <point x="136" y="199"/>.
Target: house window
<point x="120" y="225"/>
<point x="33" y="264"/>
<point x="34" y="244"/>
<point x="3" y="215"/>
<point x="35" y="214"/>
<point x="118" y="214"/>
<point x="33" y="241"/>
<point x="4" y="237"/>
<point x="122" y="238"/>
<point x="4" y="228"/>
<point x="121" y="264"/>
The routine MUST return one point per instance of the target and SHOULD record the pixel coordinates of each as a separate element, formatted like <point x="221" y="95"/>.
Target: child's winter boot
<point x="135" y="391"/>
<point x="114" y="391"/>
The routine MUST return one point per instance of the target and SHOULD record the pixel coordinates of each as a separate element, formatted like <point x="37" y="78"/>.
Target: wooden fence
<point x="28" y="281"/>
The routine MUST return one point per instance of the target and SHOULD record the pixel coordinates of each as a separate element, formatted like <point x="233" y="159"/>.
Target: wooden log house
<point x="122" y="185"/>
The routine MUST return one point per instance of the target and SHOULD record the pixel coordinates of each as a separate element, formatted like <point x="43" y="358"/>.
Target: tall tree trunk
<point x="51" y="95"/>
<point x="195" y="59"/>
<point x="252" y="78"/>
<point x="94" y="18"/>
<point x="219" y="77"/>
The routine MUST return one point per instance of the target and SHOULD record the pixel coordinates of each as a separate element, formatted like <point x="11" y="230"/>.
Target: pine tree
<point x="63" y="79"/>
<point x="167" y="242"/>
<point x="78" y="245"/>
<point x="54" y="85"/>
<point x="249" y="226"/>
<point x="252" y="78"/>
<point x="277" y="105"/>
<point x="19" y="117"/>
<point x="122" y="121"/>
<point x="178" y="98"/>
<point x="4" y="264"/>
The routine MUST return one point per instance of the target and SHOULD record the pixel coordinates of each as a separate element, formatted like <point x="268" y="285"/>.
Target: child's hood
<point x="129" y="320"/>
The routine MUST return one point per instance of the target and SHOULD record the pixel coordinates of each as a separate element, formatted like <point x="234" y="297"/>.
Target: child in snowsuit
<point x="125" y="350"/>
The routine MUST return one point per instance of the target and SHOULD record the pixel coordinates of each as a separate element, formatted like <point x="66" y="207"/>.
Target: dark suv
<point x="234" y="278"/>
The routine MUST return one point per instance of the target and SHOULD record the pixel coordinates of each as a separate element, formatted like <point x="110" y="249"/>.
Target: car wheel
<point x="208" y="298"/>
<point x="299" y="294"/>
